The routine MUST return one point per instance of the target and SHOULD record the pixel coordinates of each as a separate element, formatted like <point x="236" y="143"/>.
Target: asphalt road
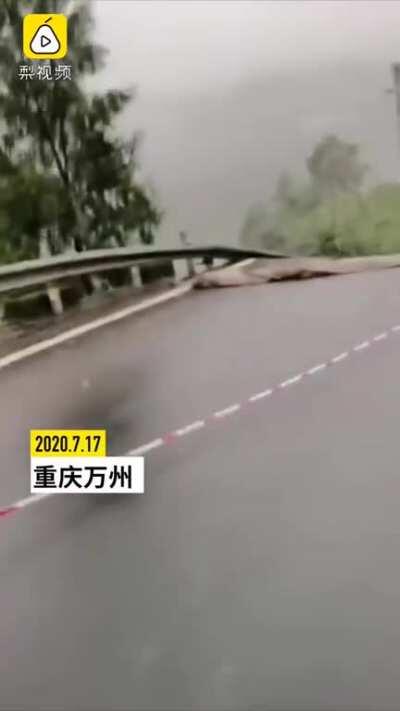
<point x="261" y="568"/>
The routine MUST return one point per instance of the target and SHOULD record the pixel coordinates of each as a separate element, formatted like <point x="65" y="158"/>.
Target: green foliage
<point x="29" y="203"/>
<point x="349" y="225"/>
<point x="72" y="179"/>
<point x="328" y="215"/>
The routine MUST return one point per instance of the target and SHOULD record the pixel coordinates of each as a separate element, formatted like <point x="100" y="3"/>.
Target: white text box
<point x="87" y="475"/>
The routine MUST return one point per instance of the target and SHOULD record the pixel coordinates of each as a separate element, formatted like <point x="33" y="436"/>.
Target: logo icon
<point x="45" y="36"/>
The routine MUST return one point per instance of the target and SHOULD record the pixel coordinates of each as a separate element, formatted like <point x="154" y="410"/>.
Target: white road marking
<point x="316" y="369"/>
<point x="227" y="411"/>
<point x="291" y="381"/>
<point x="260" y="396"/>
<point x="154" y="444"/>
<point x="190" y="428"/>
<point x="33" y="499"/>
<point x="78" y="331"/>
<point x="72" y="333"/>
<point x="147" y="447"/>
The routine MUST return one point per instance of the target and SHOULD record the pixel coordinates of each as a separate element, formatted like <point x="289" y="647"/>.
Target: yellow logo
<point x="45" y="36"/>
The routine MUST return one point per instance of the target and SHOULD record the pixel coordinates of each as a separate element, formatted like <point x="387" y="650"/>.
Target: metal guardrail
<point x="33" y="273"/>
<point x="50" y="272"/>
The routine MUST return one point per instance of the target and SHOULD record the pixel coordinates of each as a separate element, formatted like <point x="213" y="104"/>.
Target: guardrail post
<point x="54" y="294"/>
<point x="96" y="282"/>
<point x="136" y="277"/>
<point x="190" y="267"/>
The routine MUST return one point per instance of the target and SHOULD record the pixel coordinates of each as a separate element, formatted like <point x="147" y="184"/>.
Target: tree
<point x="293" y="196"/>
<point x="306" y="217"/>
<point x="84" y="173"/>
<point x="32" y="205"/>
<point x="335" y="167"/>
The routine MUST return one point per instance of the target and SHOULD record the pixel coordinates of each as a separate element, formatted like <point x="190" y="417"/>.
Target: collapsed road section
<point x="261" y="271"/>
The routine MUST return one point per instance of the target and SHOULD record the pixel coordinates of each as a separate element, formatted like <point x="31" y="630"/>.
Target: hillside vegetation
<point x="331" y="213"/>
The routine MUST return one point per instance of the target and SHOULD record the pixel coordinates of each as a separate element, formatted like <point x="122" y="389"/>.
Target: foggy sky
<point x="232" y="93"/>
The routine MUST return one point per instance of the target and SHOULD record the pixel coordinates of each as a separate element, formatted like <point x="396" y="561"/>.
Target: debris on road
<point x="263" y="271"/>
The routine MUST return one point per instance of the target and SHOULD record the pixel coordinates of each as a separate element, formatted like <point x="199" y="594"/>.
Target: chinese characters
<point x="45" y="72"/>
<point x="100" y="475"/>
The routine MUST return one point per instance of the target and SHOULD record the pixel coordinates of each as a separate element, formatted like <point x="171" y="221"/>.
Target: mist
<point x="230" y="94"/>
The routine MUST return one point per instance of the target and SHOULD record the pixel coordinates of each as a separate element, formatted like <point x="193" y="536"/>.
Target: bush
<point x="350" y="225"/>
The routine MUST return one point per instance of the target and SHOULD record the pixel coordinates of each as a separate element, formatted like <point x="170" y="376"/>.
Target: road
<point x="260" y="570"/>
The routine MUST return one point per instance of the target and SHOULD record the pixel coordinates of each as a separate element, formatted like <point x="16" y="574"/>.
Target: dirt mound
<point x="262" y="271"/>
